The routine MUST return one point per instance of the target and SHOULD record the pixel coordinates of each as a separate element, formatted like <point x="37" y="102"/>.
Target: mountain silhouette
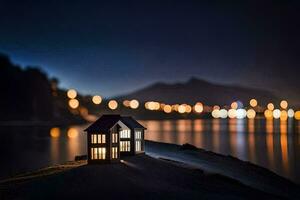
<point x="195" y="90"/>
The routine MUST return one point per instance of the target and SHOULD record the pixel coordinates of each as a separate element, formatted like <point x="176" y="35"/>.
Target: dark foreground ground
<point x="139" y="177"/>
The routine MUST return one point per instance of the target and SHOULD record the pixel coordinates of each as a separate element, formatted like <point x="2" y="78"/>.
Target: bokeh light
<point x="73" y="103"/>
<point x="291" y="113"/>
<point x="241" y="113"/>
<point x="126" y="103"/>
<point x="72" y="94"/>
<point x="167" y="109"/>
<point x="215" y="113"/>
<point x="134" y="104"/>
<point x="55" y="132"/>
<point x="234" y="105"/>
<point x="72" y="133"/>
<point x="284" y="104"/>
<point x="232" y="113"/>
<point x="251" y="113"/>
<point x="297" y="115"/>
<point x="268" y="114"/>
<point x="223" y="113"/>
<point x="181" y="108"/>
<point x="270" y="106"/>
<point x="97" y="99"/>
<point x="198" y="108"/>
<point x="276" y="114"/>
<point x="188" y="108"/>
<point x="253" y="102"/>
<point x="113" y="104"/>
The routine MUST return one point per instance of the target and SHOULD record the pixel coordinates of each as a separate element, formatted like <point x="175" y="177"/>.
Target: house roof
<point x="105" y="122"/>
<point x="131" y="123"/>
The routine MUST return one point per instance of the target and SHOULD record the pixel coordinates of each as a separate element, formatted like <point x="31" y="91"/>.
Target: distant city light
<point x="97" y="99"/>
<point x="276" y="114"/>
<point x="253" y="102"/>
<point x="167" y="109"/>
<point x="152" y="105"/>
<point x="234" y="105"/>
<point x="251" y="113"/>
<point x="188" y="108"/>
<point x="72" y="94"/>
<point x="73" y="103"/>
<point x="72" y="133"/>
<point x="291" y="113"/>
<point x="198" y="107"/>
<point x="113" y="104"/>
<point x="126" y="103"/>
<point x="55" y="132"/>
<point x="297" y="115"/>
<point x="270" y="106"/>
<point x="216" y="107"/>
<point x="284" y="104"/>
<point x="232" y="113"/>
<point x="215" y="113"/>
<point x="268" y="114"/>
<point x="181" y="108"/>
<point x="134" y="104"/>
<point x="241" y="113"/>
<point x="223" y="113"/>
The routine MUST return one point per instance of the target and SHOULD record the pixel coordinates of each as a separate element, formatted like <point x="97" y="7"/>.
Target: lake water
<point x="271" y="144"/>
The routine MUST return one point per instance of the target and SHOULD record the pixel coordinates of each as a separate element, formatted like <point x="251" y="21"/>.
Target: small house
<point x="113" y="136"/>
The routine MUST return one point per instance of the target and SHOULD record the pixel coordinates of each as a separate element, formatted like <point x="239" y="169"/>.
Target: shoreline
<point x="162" y="156"/>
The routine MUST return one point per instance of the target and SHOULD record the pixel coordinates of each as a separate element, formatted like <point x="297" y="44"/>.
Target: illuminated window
<point x="114" y="152"/>
<point x="138" y="146"/>
<point x="114" y="138"/>
<point x="125" y="146"/>
<point x="98" y="153"/>
<point x="125" y="133"/>
<point x="138" y="134"/>
<point x="98" y="138"/>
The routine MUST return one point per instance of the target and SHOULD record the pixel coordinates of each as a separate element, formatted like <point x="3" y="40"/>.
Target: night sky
<point x="117" y="47"/>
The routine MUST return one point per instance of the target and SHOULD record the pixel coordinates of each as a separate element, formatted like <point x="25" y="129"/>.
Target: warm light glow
<point x="283" y="115"/>
<point x="241" y="113"/>
<point x="72" y="94"/>
<point x="167" y="109"/>
<point x="251" y="113"/>
<point x="72" y="133"/>
<point x="55" y="132"/>
<point x="232" y="113"/>
<point x="223" y="113"/>
<point x="284" y="104"/>
<point x="73" y="103"/>
<point x="268" y="114"/>
<point x="188" y="108"/>
<point x="198" y="107"/>
<point x="134" y="104"/>
<point x="234" y="105"/>
<point x="215" y="113"/>
<point x="270" y="106"/>
<point x="216" y="107"/>
<point x="126" y="103"/>
<point x="113" y="104"/>
<point x="276" y="114"/>
<point x="97" y="99"/>
<point x="152" y="105"/>
<point x="181" y="108"/>
<point x="253" y="102"/>
<point x="291" y="113"/>
<point x="297" y="115"/>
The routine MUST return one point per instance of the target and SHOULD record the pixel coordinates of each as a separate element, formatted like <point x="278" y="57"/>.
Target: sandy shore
<point x="146" y="177"/>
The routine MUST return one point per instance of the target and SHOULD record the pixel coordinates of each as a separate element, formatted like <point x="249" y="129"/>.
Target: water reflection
<point x="269" y="143"/>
